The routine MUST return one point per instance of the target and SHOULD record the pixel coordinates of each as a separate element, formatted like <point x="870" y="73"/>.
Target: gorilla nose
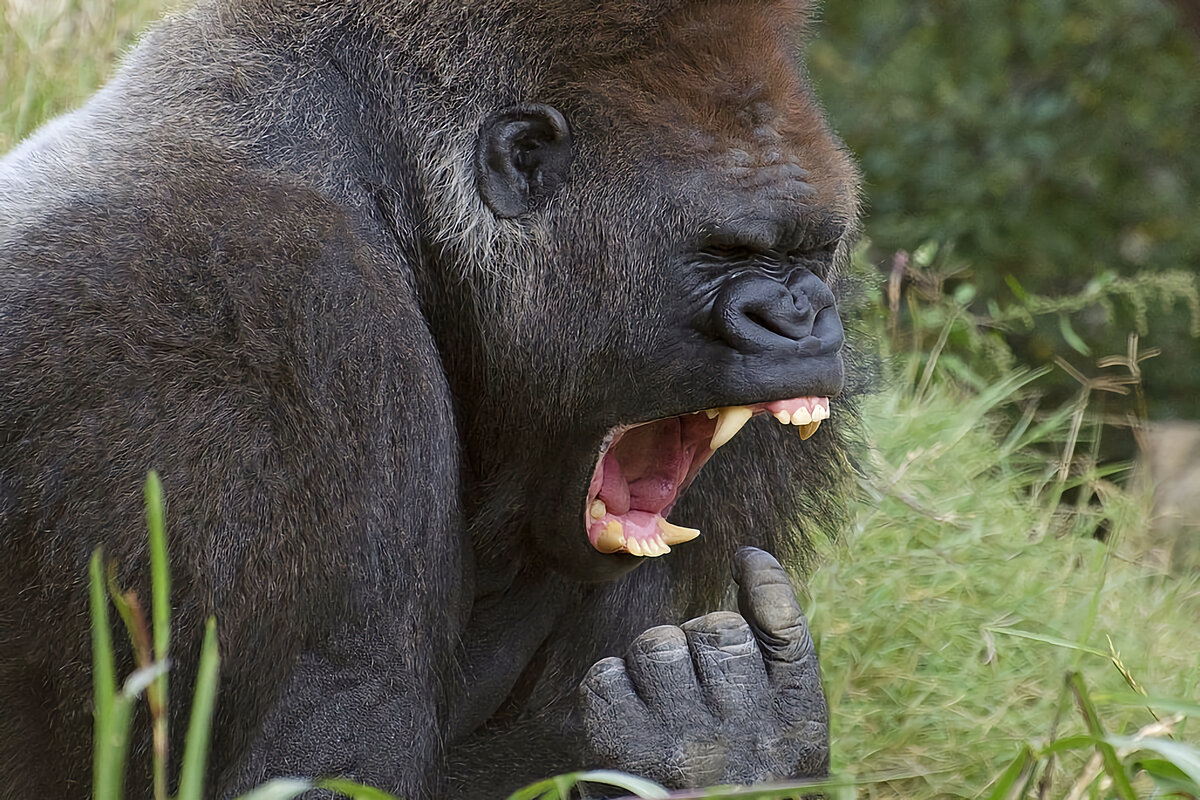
<point x="758" y="313"/>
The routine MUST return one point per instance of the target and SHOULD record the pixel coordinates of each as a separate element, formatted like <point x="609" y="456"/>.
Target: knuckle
<point x="664" y="644"/>
<point x="605" y="671"/>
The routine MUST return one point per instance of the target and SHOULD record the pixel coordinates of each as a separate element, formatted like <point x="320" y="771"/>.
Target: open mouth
<point x="643" y="470"/>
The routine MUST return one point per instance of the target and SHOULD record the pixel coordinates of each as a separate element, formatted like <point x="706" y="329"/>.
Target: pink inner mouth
<point x="643" y="470"/>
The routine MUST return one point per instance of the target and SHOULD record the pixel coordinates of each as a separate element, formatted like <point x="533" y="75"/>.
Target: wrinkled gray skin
<point x="368" y="283"/>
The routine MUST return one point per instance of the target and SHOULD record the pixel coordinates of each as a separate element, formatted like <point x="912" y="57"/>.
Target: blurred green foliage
<point x="1045" y="141"/>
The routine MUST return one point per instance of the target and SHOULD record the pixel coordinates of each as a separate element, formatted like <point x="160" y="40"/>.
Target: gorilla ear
<point x="524" y="154"/>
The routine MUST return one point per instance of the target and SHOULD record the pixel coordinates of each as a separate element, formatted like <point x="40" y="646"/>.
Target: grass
<point x="968" y="622"/>
<point x="950" y="613"/>
<point x="56" y="52"/>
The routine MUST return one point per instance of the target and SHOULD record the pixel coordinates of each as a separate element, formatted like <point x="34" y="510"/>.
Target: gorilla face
<point x="692" y="207"/>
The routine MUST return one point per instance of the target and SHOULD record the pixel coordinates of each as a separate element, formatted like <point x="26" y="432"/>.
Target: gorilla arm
<point x="232" y="331"/>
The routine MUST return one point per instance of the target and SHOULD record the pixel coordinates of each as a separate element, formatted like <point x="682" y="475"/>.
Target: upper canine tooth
<point x="820" y="412"/>
<point x="809" y="429"/>
<point x="729" y="422"/>
<point x="675" y="534"/>
<point x="598" y="509"/>
<point x="783" y="416"/>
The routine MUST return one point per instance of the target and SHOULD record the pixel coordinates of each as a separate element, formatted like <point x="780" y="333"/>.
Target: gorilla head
<point x="438" y="320"/>
<point x="645" y="250"/>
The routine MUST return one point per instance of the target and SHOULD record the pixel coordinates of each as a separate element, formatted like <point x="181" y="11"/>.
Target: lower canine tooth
<point x="598" y="509"/>
<point x="783" y="416"/>
<point x="675" y="534"/>
<point x="613" y="537"/>
<point x="729" y="422"/>
<point x="809" y="429"/>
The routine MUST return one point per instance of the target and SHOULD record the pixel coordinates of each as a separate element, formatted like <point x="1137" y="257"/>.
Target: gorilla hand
<point x="722" y="699"/>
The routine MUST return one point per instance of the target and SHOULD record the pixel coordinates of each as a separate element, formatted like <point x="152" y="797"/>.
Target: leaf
<point x="534" y="791"/>
<point x="1012" y="773"/>
<point x="113" y="712"/>
<point x="1071" y="337"/>
<point x="1184" y="756"/>
<point x="279" y="789"/>
<point x="195" y="753"/>
<point x="160" y="571"/>
<point x="1054" y="640"/>
<point x="353" y="790"/>
<point x="1167" y="776"/>
<point x="560" y="785"/>
<point x="1112" y="764"/>
<point x="630" y="783"/>
<point x="1171" y="704"/>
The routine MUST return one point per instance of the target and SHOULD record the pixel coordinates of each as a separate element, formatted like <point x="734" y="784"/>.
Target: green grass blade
<point x="195" y="755"/>
<point x="1112" y="764"/>
<point x="630" y="783"/>
<point x="1169" y="704"/>
<point x="1067" y="743"/>
<point x="1012" y="773"/>
<point x="535" y="791"/>
<point x="160" y="568"/>
<point x="1185" y="757"/>
<point x="109" y="780"/>
<point x="160" y="599"/>
<point x="107" y="746"/>
<point x="1169" y="779"/>
<point x="1054" y="640"/>
<point x="355" y="791"/>
<point x="279" y="789"/>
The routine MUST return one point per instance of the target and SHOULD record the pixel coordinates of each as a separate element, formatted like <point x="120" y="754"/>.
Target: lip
<point x="642" y="470"/>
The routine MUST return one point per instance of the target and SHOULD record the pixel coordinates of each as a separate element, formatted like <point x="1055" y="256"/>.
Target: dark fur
<point x="257" y="262"/>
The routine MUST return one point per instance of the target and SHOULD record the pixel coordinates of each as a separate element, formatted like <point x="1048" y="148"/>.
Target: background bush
<point x="1046" y="141"/>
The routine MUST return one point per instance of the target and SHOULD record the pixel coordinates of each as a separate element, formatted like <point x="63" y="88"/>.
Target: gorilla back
<point x="429" y="315"/>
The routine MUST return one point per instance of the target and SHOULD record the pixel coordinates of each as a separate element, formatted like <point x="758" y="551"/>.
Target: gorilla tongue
<point x="644" y="469"/>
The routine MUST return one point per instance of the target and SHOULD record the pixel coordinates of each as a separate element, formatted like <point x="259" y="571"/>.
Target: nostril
<point x="755" y="313"/>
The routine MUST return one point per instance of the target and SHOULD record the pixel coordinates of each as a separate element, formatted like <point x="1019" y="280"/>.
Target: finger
<point x="728" y="664"/>
<point x="659" y="664"/>
<point x="613" y="714"/>
<point x="768" y="601"/>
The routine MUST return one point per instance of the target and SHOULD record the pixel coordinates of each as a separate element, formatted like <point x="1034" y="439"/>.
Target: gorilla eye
<point x="820" y="240"/>
<point x="729" y="253"/>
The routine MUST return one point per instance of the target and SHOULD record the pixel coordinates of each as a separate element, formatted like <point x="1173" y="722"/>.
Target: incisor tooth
<point x="783" y="416"/>
<point x="801" y="417"/>
<point x="660" y="547"/>
<point x="598" y="509"/>
<point x="634" y="547"/>
<point x="819" y="413"/>
<point x="809" y="429"/>
<point x="675" y="534"/>
<point x="729" y="422"/>
<point x="711" y="413"/>
<point x="613" y="537"/>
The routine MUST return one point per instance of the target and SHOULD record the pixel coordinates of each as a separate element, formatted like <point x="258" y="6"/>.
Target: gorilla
<point x="429" y="315"/>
